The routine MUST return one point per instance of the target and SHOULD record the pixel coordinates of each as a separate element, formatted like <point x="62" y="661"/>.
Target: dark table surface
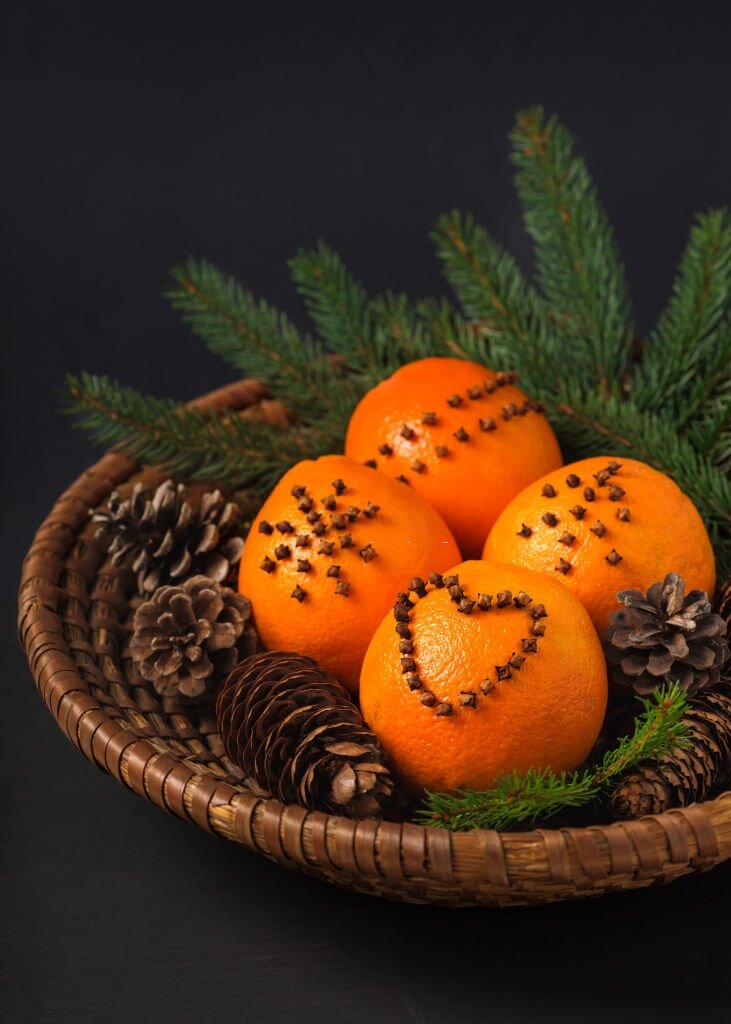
<point x="239" y="134"/>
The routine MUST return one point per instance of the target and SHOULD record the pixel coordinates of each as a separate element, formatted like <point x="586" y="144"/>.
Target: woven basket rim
<point x="400" y="860"/>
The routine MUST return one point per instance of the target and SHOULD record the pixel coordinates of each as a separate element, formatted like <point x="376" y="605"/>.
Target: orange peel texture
<point x="603" y="525"/>
<point x="497" y="672"/>
<point x="464" y="438"/>
<point x="326" y="553"/>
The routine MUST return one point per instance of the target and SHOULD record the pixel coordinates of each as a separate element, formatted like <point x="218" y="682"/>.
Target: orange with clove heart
<point x="487" y="670"/>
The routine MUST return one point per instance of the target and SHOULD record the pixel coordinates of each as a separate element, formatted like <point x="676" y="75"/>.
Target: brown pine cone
<point x="161" y="537"/>
<point x="683" y="775"/>
<point x="187" y="638"/>
<point x="723" y="602"/>
<point x="666" y="636"/>
<point x="294" y="730"/>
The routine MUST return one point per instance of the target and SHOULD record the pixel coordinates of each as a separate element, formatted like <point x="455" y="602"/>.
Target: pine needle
<point x="578" y="266"/>
<point x="538" y="794"/>
<point x="569" y="336"/>
<point x="188" y="442"/>
<point x="688" y="355"/>
<point x="376" y="335"/>
<point x="259" y="341"/>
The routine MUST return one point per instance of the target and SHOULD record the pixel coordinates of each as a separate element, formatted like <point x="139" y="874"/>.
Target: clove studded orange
<point x="465" y="438"/>
<point x="601" y="526"/>
<point x="487" y="670"/>
<point x="330" y="546"/>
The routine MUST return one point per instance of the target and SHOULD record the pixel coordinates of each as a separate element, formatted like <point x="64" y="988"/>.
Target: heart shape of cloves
<point x="535" y="628"/>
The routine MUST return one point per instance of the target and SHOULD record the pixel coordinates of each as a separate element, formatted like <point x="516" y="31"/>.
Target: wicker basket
<point x="73" y="610"/>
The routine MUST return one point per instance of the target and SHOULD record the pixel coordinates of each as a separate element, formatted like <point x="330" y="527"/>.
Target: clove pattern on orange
<point x="330" y="546"/>
<point x="482" y="671"/>
<point x="463" y="437"/>
<point x="603" y="525"/>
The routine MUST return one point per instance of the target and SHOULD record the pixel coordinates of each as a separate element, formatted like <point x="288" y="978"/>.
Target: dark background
<point x="239" y="133"/>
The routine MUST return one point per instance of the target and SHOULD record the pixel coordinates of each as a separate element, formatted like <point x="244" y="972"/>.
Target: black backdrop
<point x="239" y="133"/>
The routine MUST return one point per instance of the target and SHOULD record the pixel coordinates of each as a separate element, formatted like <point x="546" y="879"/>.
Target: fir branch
<point x="510" y="326"/>
<point x="399" y="331"/>
<point x="377" y="335"/>
<point x="513" y="330"/>
<point x="709" y="394"/>
<point x="451" y="334"/>
<point x="256" y="339"/>
<point x="689" y="353"/>
<point x="538" y="794"/>
<point x="578" y="266"/>
<point x="185" y="441"/>
<point x="486" y="279"/>
<point x="588" y="424"/>
<point x="337" y="303"/>
<point x="513" y="327"/>
<point x="712" y="428"/>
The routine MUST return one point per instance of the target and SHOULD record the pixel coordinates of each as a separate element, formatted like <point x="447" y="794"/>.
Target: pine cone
<point x="666" y="637"/>
<point x="295" y="731"/>
<point x="161" y="537"/>
<point x="723" y="603"/>
<point x="682" y="776"/>
<point x="187" y="638"/>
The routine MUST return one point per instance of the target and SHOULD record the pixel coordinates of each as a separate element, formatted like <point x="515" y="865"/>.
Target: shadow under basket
<point x="73" y="614"/>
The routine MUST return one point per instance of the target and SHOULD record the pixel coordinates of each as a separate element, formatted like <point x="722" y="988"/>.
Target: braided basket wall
<point x="73" y="621"/>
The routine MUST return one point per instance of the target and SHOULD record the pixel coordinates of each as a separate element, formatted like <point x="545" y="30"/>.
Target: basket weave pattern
<point x="73" y="621"/>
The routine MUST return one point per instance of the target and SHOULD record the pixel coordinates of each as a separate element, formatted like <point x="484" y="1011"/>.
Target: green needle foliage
<point x="511" y="323"/>
<point x="569" y="334"/>
<point x="667" y="402"/>
<point x="539" y="794"/>
<point x="184" y="441"/>
<point x="690" y="348"/>
<point x="375" y="336"/>
<point x="577" y="263"/>
<point x="257" y="340"/>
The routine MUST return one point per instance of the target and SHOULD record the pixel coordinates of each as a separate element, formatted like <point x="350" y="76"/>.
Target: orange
<point x="503" y="674"/>
<point x="329" y="548"/>
<point x="603" y="525"/>
<point x="465" y="438"/>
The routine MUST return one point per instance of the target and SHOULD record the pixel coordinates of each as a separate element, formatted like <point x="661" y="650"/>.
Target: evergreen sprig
<point x="519" y="799"/>
<point x="589" y="424"/>
<point x="571" y="341"/>
<point x="512" y="324"/>
<point x="337" y="303"/>
<point x="185" y="441"/>
<point x="689" y="353"/>
<point x="256" y="339"/>
<point x="577" y="263"/>
<point x="376" y="335"/>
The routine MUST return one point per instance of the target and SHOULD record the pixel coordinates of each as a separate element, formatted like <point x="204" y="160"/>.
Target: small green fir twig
<point x="539" y="794"/>
<point x="374" y="335"/>
<point x="258" y="340"/>
<point x="188" y="442"/>
<point x="577" y="263"/>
